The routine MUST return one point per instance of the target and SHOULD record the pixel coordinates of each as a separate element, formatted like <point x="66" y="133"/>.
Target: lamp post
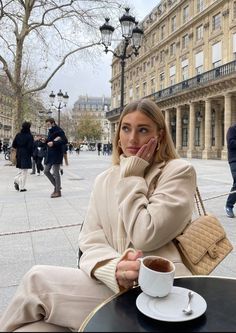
<point x="132" y="35"/>
<point x="62" y="102"/>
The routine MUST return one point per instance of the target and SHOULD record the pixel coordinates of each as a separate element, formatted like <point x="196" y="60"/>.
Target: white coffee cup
<point x="156" y="276"/>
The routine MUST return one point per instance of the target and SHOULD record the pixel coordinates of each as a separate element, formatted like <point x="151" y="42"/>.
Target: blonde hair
<point x="146" y="106"/>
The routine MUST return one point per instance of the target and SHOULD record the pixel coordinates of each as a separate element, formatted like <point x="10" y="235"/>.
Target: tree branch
<point x="44" y="85"/>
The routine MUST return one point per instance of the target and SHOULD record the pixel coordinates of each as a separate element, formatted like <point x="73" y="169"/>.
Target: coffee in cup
<point x="156" y="276"/>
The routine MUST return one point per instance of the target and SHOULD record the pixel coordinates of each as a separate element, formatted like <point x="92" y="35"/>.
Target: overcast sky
<point x="89" y="79"/>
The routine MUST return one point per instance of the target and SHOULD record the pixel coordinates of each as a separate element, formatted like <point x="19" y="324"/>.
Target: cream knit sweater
<point x="132" y="209"/>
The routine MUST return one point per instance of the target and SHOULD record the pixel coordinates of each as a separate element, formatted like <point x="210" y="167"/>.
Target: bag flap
<point x="201" y="236"/>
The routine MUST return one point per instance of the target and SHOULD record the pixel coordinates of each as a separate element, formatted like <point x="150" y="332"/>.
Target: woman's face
<point x="136" y="130"/>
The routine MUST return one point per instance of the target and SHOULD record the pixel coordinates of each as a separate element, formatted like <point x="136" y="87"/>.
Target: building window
<point x="234" y="10"/>
<point x="185" y="14"/>
<point x="200" y="6"/>
<point x="144" y="89"/>
<point x="184" y="66"/>
<point x="199" y="32"/>
<point x="185" y="41"/>
<point x="185" y="73"/>
<point x="162" y="79"/>
<point x="131" y="92"/>
<point x="197" y="135"/>
<point x="185" y="136"/>
<point x="216" y="21"/>
<point x="199" y="62"/>
<point x="172" y="75"/>
<point x="137" y="92"/>
<point x="163" y="32"/>
<point x="153" y="39"/>
<point x="153" y="85"/>
<point x="152" y="61"/>
<point x="173" y="24"/>
<point x="162" y="56"/>
<point x="216" y="54"/>
<point x="234" y="46"/>
<point x="172" y="49"/>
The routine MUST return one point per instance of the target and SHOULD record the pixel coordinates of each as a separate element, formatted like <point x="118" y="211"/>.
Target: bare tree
<point x="41" y="35"/>
<point x="89" y="128"/>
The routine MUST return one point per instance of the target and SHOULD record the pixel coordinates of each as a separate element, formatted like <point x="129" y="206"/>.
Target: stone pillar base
<point x="224" y="154"/>
<point x="190" y="154"/>
<point x="206" y="154"/>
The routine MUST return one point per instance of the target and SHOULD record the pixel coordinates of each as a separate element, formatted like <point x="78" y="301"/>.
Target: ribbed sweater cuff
<point x="133" y="166"/>
<point x="106" y="274"/>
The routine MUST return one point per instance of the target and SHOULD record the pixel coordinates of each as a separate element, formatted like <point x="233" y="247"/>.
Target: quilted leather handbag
<point x="203" y="244"/>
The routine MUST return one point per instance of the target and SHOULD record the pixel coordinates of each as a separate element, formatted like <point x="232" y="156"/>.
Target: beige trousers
<point x="53" y="299"/>
<point x="20" y="178"/>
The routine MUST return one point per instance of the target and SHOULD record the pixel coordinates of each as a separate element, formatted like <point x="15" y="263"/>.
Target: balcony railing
<point x="194" y="82"/>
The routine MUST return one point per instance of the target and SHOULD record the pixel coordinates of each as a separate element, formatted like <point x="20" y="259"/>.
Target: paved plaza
<point x="54" y="239"/>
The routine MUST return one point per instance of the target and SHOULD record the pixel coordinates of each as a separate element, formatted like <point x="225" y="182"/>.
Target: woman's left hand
<point x="127" y="269"/>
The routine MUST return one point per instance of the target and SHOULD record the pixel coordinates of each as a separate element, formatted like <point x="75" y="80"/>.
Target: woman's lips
<point x="133" y="150"/>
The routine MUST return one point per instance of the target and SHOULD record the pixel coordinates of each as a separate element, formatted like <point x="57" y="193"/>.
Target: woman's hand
<point x="146" y="152"/>
<point x="127" y="269"/>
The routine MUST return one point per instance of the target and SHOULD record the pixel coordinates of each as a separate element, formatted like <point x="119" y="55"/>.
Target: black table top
<point x="120" y="313"/>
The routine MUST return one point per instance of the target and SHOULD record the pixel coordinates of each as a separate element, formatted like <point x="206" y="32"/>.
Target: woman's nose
<point x="133" y="137"/>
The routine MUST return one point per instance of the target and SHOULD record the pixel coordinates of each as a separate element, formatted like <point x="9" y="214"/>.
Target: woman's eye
<point x="125" y="128"/>
<point x="143" y="130"/>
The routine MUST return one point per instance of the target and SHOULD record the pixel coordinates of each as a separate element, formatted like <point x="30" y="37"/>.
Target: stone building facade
<point x="187" y="65"/>
<point x="96" y="108"/>
<point x="6" y="111"/>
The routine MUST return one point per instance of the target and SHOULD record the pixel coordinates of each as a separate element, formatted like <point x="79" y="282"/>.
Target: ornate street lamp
<point x="62" y="102"/>
<point x="132" y="35"/>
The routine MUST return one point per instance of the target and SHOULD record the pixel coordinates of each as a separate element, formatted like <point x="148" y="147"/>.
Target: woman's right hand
<point x="146" y="152"/>
<point x="127" y="269"/>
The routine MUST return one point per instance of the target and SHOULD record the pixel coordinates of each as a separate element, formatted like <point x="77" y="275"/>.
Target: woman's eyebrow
<point x="139" y="125"/>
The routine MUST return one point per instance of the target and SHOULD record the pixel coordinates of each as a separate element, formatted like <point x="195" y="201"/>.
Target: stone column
<point x="218" y="134"/>
<point x="167" y="118"/>
<point x="191" y="143"/>
<point x="178" y="129"/>
<point x="206" y="154"/>
<point x="227" y="123"/>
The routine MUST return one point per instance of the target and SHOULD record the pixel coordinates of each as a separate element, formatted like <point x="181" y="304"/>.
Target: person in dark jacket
<point x="23" y="143"/>
<point x="55" y="141"/>
<point x="39" y="152"/>
<point x="231" y="146"/>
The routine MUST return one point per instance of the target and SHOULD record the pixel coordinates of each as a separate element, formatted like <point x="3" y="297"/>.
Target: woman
<point x="137" y="207"/>
<point x="23" y="143"/>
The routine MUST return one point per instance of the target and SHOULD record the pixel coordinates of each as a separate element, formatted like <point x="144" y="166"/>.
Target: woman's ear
<point x="160" y="135"/>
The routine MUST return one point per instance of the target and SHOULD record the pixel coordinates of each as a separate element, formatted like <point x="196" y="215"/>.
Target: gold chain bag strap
<point x="203" y="244"/>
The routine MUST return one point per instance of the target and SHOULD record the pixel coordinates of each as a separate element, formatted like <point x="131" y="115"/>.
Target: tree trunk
<point x="17" y="115"/>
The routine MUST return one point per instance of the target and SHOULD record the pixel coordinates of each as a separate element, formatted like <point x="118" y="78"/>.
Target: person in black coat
<point x="231" y="146"/>
<point x="23" y="143"/>
<point x="55" y="141"/>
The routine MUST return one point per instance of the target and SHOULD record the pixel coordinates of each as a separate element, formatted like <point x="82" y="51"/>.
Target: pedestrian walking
<point x="99" y="147"/>
<point x="23" y="143"/>
<point x="39" y="153"/>
<point x="55" y="141"/>
<point x="231" y="147"/>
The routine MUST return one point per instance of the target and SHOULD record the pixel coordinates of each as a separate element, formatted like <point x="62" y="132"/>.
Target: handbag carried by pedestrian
<point x="203" y="244"/>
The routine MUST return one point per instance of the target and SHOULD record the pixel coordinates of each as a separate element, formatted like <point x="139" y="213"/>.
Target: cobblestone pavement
<point x="57" y="244"/>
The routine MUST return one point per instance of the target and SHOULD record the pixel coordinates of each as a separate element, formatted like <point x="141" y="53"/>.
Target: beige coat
<point x="131" y="207"/>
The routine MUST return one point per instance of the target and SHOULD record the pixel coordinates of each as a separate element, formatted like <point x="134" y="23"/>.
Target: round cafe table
<point x="120" y="314"/>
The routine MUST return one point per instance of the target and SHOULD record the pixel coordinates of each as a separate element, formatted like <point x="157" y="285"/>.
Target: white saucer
<point x="169" y="308"/>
